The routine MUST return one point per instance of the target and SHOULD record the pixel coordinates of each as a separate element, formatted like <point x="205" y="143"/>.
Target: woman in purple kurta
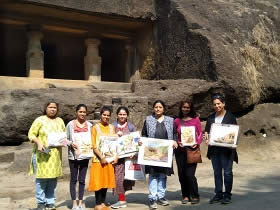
<point x="186" y="171"/>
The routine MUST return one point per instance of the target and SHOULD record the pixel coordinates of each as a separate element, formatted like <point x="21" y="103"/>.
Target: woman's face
<point x="218" y="105"/>
<point x="186" y="108"/>
<point x="105" y="117"/>
<point x="158" y="109"/>
<point x="51" y="110"/>
<point x="122" y="116"/>
<point x="81" y="114"/>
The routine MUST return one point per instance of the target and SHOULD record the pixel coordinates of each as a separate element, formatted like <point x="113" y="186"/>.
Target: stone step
<point x="35" y="83"/>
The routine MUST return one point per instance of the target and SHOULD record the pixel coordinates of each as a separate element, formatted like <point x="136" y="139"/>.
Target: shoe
<point x="80" y="208"/>
<point x="50" y="207"/>
<point x="226" y="200"/>
<point x="119" y="204"/>
<point x="195" y="201"/>
<point x="216" y="199"/>
<point x="75" y="208"/>
<point x="41" y="207"/>
<point x="163" y="202"/>
<point x="153" y="205"/>
<point x="185" y="200"/>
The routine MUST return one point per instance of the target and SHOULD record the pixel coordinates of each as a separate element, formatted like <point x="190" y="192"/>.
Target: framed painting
<point x="188" y="135"/>
<point x="224" y="135"/>
<point x="108" y="146"/>
<point x="128" y="144"/>
<point x="83" y="140"/>
<point x="155" y="152"/>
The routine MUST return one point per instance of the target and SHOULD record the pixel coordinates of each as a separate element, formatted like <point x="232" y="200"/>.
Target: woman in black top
<point x="221" y="157"/>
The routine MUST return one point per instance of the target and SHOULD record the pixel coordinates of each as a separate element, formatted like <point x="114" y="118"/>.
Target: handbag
<point x="193" y="155"/>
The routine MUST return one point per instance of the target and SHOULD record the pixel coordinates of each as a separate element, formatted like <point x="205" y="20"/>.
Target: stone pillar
<point x="92" y="60"/>
<point x="129" y="60"/>
<point x="34" y="55"/>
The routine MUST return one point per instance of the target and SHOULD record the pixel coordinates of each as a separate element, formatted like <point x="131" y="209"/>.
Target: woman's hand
<point x="75" y="146"/>
<point x="195" y="146"/>
<point x="140" y="143"/>
<point x="40" y="146"/>
<point x="120" y="133"/>
<point x="180" y="144"/>
<point x="115" y="161"/>
<point x="103" y="161"/>
<point x="206" y="138"/>
<point x="175" y="145"/>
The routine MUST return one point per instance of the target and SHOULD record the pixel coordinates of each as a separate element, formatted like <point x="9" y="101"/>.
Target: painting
<point x="128" y="144"/>
<point x="188" y="135"/>
<point x="224" y="135"/>
<point x="83" y="141"/>
<point x="108" y="146"/>
<point x="155" y="152"/>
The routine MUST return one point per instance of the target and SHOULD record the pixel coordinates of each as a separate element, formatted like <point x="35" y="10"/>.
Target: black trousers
<point x="186" y="173"/>
<point x="100" y="196"/>
<point x="78" y="171"/>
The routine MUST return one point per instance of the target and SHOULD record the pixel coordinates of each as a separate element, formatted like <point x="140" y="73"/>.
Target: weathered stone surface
<point x="174" y="91"/>
<point x="233" y="42"/>
<point x="129" y="8"/>
<point x="263" y="121"/>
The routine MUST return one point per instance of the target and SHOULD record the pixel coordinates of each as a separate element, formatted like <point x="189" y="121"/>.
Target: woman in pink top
<point x="186" y="171"/>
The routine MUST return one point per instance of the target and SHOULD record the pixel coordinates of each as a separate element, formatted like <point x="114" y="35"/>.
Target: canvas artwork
<point x="83" y="140"/>
<point x="128" y="144"/>
<point x="57" y="139"/>
<point x="188" y="135"/>
<point x="155" y="152"/>
<point x="224" y="135"/>
<point x="108" y="146"/>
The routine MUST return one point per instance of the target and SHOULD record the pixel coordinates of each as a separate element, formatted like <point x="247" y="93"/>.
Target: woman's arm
<point x="198" y="131"/>
<point x="33" y="134"/>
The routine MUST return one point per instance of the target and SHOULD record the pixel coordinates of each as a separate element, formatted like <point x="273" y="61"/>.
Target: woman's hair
<point x="159" y="101"/>
<point x="80" y="106"/>
<point x="192" y="112"/>
<point x="105" y="108"/>
<point x="47" y="104"/>
<point x="218" y="96"/>
<point x="123" y="108"/>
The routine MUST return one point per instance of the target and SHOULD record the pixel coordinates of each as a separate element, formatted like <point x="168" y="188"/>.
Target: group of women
<point x="47" y="162"/>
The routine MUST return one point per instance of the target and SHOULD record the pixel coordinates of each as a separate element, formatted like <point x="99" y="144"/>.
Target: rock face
<point x="233" y="42"/>
<point x="130" y="8"/>
<point x="262" y="122"/>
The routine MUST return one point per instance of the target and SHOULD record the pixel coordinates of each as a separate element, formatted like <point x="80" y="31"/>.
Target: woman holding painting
<point x="186" y="171"/>
<point x="158" y="126"/>
<point x="222" y="158"/>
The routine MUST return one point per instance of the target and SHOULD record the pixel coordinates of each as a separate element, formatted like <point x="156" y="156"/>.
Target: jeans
<point x="157" y="186"/>
<point x="221" y="161"/>
<point x="45" y="190"/>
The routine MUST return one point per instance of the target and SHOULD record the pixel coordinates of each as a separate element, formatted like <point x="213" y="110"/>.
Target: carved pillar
<point x="34" y="55"/>
<point x="92" y="60"/>
<point x="129" y="60"/>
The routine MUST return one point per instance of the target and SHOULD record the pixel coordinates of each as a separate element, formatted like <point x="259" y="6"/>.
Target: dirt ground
<point x="256" y="184"/>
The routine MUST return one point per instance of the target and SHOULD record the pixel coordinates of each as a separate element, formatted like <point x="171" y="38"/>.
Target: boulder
<point x="262" y="122"/>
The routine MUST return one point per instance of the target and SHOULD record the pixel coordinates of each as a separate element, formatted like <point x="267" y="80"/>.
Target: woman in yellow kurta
<point x="47" y="165"/>
<point x="101" y="172"/>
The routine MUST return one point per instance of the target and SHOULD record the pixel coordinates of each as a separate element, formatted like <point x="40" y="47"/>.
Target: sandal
<point x="185" y="200"/>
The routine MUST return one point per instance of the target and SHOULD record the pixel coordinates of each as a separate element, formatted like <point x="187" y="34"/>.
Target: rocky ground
<point x="256" y="183"/>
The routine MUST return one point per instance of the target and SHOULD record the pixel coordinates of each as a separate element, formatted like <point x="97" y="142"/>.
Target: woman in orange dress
<point x="101" y="172"/>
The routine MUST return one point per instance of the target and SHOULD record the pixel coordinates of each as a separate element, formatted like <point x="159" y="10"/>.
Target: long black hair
<point x="80" y="106"/>
<point x="192" y="112"/>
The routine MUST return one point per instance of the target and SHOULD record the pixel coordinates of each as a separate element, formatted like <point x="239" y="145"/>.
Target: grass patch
<point x="262" y="53"/>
